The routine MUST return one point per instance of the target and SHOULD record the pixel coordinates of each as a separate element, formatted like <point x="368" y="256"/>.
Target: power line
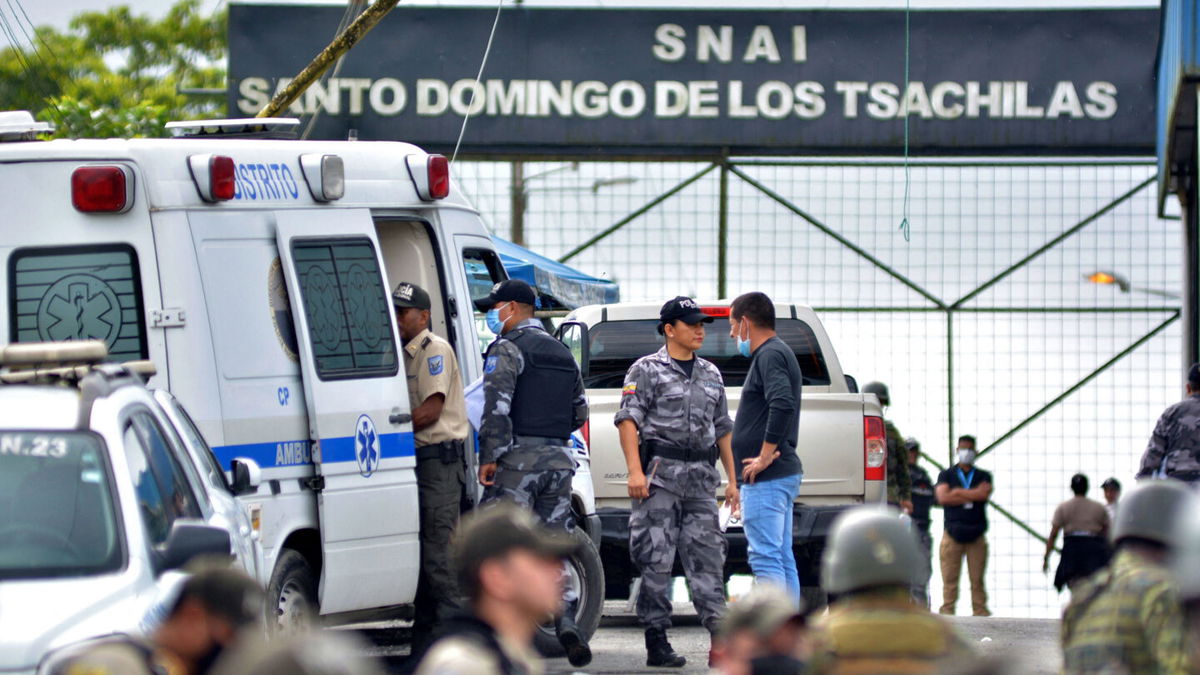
<point x="479" y="76"/>
<point x="23" y="58"/>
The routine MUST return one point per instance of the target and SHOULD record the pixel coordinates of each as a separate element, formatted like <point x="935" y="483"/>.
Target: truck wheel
<point x="585" y="574"/>
<point x="292" y="599"/>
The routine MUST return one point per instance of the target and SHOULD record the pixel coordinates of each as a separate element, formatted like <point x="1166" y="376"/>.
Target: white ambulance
<point x="255" y="272"/>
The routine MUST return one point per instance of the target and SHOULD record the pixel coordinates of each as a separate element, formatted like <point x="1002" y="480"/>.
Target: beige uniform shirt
<point x="1080" y="515"/>
<point x="432" y="369"/>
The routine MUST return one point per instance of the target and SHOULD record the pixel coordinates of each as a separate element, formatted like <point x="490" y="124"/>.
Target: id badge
<point x="969" y="505"/>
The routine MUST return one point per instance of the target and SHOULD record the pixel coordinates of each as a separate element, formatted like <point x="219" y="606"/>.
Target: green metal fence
<point x="984" y="322"/>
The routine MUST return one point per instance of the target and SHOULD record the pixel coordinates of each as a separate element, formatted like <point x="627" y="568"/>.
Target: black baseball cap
<point x="491" y="531"/>
<point x="509" y="290"/>
<point x="681" y="308"/>
<point x="410" y="295"/>
<point x="1194" y="373"/>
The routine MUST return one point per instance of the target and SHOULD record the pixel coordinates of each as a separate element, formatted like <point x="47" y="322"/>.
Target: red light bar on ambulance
<point x="430" y="176"/>
<point x="325" y="175"/>
<point x="102" y="189"/>
<point x="214" y="176"/>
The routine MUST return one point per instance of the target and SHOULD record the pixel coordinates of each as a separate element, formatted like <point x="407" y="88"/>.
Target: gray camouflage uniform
<point x="1176" y="439"/>
<point x="535" y="475"/>
<point x="681" y="511"/>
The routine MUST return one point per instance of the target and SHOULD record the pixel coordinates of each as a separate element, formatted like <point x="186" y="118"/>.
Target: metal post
<point x="723" y="233"/>
<point x="950" y="382"/>
<point x="518" y="203"/>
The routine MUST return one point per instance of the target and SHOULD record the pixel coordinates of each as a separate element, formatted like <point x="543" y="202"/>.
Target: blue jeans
<point x="767" y="521"/>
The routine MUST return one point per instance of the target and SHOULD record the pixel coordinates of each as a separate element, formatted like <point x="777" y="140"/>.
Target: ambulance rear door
<point x="359" y="416"/>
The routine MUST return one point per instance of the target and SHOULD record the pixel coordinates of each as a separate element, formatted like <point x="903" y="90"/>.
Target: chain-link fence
<point x="984" y="322"/>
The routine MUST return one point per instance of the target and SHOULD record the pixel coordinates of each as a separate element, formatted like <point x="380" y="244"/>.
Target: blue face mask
<point x="494" y="323"/>
<point x="743" y="346"/>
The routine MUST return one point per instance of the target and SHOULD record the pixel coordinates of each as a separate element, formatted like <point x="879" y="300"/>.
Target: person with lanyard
<point x="922" y="504"/>
<point x="963" y="491"/>
<point x="1084" y="524"/>
<point x="673" y="424"/>
<point x="439" y="411"/>
<point x="533" y="399"/>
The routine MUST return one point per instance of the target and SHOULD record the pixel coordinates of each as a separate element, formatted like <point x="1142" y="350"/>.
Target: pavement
<point x="1018" y="645"/>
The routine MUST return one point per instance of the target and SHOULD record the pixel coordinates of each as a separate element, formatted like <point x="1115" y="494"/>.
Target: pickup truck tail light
<point x="586" y="432"/>
<point x="874" y="449"/>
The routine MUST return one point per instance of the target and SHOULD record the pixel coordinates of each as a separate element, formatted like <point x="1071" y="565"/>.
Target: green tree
<point x="116" y="74"/>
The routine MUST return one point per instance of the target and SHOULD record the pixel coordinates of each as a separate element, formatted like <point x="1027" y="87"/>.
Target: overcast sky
<point x="59" y="13"/>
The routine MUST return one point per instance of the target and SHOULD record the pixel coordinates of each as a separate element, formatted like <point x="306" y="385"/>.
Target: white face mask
<point x="966" y="456"/>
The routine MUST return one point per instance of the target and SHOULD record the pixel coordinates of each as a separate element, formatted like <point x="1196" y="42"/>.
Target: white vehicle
<point x="842" y="443"/>
<point x="105" y="492"/>
<point x="256" y="273"/>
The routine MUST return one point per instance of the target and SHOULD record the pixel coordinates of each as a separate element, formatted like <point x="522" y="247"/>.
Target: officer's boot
<point x="659" y="652"/>
<point x="570" y="637"/>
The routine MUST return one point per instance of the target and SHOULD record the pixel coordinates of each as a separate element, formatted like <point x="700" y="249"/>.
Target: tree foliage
<point x="116" y="74"/>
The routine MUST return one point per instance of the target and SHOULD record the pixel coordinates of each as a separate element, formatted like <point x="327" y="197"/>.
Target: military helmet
<point x="1185" y="559"/>
<point x="879" y="389"/>
<point x="1149" y="510"/>
<point x="869" y="547"/>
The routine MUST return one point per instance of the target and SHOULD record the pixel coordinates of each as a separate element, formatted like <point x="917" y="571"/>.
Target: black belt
<point x="449" y="452"/>
<point x="656" y="449"/>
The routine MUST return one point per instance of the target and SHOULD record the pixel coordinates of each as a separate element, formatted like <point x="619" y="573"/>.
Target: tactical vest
<point x="542" y="403"/>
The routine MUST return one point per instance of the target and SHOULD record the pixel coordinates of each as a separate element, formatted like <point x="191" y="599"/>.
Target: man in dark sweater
<point x="764" y="441"/>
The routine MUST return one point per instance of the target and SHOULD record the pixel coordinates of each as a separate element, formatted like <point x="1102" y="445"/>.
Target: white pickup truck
<point x="842" y="443"/>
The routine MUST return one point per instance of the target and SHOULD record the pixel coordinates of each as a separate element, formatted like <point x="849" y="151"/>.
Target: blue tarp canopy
<point x="565" y="287"/>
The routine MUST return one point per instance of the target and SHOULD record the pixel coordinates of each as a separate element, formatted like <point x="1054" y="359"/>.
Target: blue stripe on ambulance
<point x="298" y="453"/>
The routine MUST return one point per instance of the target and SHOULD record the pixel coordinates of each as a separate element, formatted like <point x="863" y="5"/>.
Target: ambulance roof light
<point x="252" y="127"/>
<point x="430" y="175"/>
<point x="19" y="125"/>
<point x="214" y="177"/>
<point x="106" y="188"/>
<point x="325" y="175"/>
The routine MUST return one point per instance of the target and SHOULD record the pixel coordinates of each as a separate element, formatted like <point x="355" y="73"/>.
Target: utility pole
<point x="328" y="56"/>
<point x="517" y="206"/>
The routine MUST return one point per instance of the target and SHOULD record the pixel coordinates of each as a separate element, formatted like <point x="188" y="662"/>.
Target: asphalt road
<point x="1018" y="645"/>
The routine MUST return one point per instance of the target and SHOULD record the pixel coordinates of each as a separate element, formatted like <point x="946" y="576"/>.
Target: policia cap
<point x="492" y="531"/>
<point x="410" y="295"/>
<point x="869" y="547"/>
<point x="681" y="308"/>
<point x="509" y="290"/>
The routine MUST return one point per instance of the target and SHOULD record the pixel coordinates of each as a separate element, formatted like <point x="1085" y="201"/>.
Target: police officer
<point x="533" y="400"/>
<point x="922" y="501"/>
<point x="439" y="412"/>
<point x="873" y="626"/>
<point x="673" y="423"/>
<point x="1174" y="447"/>
<point x="899" y="487"/>
<point x="1127" y="618"/>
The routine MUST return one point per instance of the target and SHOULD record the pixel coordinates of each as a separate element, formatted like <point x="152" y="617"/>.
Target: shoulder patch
<point x="426" y="341"/>
<point x="489" y="366"/>
<point x="630" y="388"/>
<point x="436" y="364"/>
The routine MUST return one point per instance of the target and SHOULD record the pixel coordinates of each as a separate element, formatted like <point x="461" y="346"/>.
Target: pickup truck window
<point x="613" y="346"/>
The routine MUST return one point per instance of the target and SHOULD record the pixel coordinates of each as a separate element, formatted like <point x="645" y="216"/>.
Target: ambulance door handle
<point x="399" y="418"/>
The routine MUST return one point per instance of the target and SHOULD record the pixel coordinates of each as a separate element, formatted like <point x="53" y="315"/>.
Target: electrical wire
<point x="479" y="76"/>
<point x="905" y="226"/>
<point x="353" y="9"/>
<point x="23" y="59"/>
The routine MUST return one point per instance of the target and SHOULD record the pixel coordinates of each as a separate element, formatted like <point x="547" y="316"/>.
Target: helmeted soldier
<point x="674" y="424"/>
<point x="533" y="400"/>
<point x="870" y="561"/>
<point x="922" y="501"/>
<point x="899" y="485"/>
<point x="439" y="411"/>
<point x="1127" y="617"/>
<point x="1174" y="448"/>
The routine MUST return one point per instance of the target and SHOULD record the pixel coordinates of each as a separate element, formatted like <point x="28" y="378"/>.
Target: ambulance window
<point x="483" y="271"/>
<point x="347" y="308"/>
<point x="78" y="293"/>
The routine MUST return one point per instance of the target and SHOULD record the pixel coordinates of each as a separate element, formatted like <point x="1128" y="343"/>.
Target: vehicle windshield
<point x="613" y="346"/>
<point x="56" y="506"/>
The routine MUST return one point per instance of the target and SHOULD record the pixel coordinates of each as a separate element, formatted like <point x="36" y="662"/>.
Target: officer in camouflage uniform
<point x="1175" y="444"/>
<point x="1127" y="618"/>
<point x="899" y="485"/>
<point x="922" y="498"/>
<point x="873" y="626"/>
<point x="673" y="423"/>
<point x="533" y="400"/>
<point x="440" y="428"/>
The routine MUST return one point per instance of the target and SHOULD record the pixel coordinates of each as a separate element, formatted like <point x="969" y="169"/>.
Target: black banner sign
<point x="707" y="82"/>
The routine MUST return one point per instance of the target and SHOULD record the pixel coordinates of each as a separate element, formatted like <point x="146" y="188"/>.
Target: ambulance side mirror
<point x="247" y="476"/>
